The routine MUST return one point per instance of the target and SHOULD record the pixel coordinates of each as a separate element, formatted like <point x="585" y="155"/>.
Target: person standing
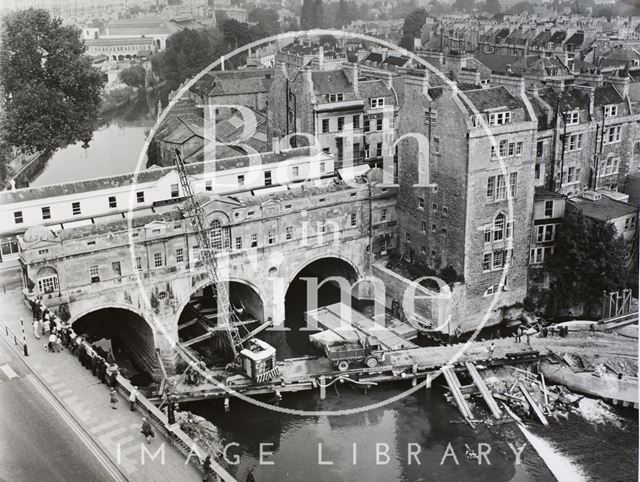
<point x="46" y="325"/>
<point x="147" y="430"/>
<point x="113" y="398"/>
<point x="492" y="348"/>
<point x="52" y="342"/>
<point x="132" y="399"/>
<point x="58" y="343"/>
<point x="36" y="329"/>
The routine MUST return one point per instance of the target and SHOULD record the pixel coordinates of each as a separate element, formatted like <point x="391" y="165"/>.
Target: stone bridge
<point x="135" y="276"/>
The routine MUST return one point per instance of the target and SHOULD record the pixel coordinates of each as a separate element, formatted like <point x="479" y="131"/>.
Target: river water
<point x="114" y="149"/>
<point x="596" y="443"/>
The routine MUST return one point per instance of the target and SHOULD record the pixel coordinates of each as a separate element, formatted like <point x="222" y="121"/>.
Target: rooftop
<point x="604" y="209"/>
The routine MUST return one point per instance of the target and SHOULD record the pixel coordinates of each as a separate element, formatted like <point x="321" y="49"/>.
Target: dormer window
<point x="610" y="110"/>
<point x="376" y="103"/>
<point x="499" y="118"/>
<point x="572" y="118"/>
<point x="336" y="97"/>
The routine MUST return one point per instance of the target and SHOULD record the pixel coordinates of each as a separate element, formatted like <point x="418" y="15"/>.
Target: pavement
<point x="60" y="422"/>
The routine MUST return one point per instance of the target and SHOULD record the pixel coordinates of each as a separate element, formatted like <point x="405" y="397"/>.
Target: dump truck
<point x="345" y="354"/>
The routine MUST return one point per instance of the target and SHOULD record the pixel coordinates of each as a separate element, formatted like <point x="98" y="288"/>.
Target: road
<point x="38" y="438"/>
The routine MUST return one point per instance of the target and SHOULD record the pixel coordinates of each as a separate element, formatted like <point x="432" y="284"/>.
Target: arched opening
<point x="296" y="342"/>
<point x="127" y="336"/>
<point x="47" y="280"/>
<point x="220" y="235"/>
<point x="246" y="303"/>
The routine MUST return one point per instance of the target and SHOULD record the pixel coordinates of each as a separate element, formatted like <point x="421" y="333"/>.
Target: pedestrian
<point x="528" y="338"/>
<point x="147" y="430"/>
<point x="94" y="364"/>
<point x="592" y="328"/>
<point x="46" y="325"/>
<point x="34" y="309"/>
<point x="51" y="343"/>
<point x="206" y="468"/>
<point x="113" y="398"/>
<point x="112" y="375"/>
<point x="36" y="329"/>
<point x="492" y="348"/>
<point x="132" y="399"/>
<point x="102" y="370"/>
<point x="519" y="334"/>
<point x="58" y="344"/>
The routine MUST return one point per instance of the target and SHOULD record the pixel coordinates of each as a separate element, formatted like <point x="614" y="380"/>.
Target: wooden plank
<point x="534" y="405"/>
<point x="484" y="390"/>
<point x="454" y="386"/>
<point x="197" y="339"/>
<point x="188" y="323"/>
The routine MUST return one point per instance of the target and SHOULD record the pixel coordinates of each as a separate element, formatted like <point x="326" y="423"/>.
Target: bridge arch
<point x="331" y="256"/>
<point x="126" y="331"/>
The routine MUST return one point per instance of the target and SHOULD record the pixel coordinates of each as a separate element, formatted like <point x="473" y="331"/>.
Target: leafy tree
<point x="306" y="15"/>
<point x="266" y="19"/>
<point x="51" y="92"/>
<point x="235" y="33"/>
<point x="412" y="27"/>
<point x="133" y="76"/>
<point x="343" y="15"/>
<point x="188" y="52"/>
<point x="493" y="6"/>
<point x="521" y="7"/>
<point x="318" y="14"/>
<point x="589" y="258"/>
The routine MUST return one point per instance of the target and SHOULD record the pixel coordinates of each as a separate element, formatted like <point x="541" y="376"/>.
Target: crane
<point x="227" y="318"/>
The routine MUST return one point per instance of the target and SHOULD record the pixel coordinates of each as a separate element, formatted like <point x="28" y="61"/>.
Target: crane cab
<point x="258" y="361"/>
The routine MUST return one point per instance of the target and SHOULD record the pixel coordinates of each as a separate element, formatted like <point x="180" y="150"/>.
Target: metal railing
<point x="15" y="338"/>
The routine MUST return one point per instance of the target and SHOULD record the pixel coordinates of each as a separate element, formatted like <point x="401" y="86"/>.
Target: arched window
<point x="47" y="280"/>
<point x="220" y="236"/>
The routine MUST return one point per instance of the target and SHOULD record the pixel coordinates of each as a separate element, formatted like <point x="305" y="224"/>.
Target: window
<point x="322" y="228"/>
<point x="536" y="256"/>
<point x="574" y="142"/>
<point x="494" y="153"/>
<point x="267" y="178"/>
<point x="9" y="248"/>
<point x="271" y="236"/>
<point x="208" y="185"/>
<point x="250" y="213"/>
<point x="486" y="262"/>
<point x="238" y="242"/>
<point x="610" y="110"/>
<point x="538" y="172"/>
<point x="95" y="274"/>
<point x="609" y="166"/>
<point x="220" y="237"/>
<point x="48" y="284"/>
<point x="431" y="117"/>
<point x="379" y="124"/>
<point x="366" y="125"/>
<point x="572" y="118"/>
<point x="115" y="267"/>
<point x="501" y="188"/>
<point x="179" y="255"/>
<point x="339" y="142"/>
<point x="512" y="149"/>
<point x="356" y="121"/>
<point x="487" y="234"/>
<point x="423" y="226"/>
<point x="383" y="214"/>
<point x="295" y="171"/>
<point x="157" y="260"/>
<point x="112" y="202"/>
<point x="491" y="187"/>
<point x="407" y="238"/>
<point x="75" y="208"/>
<point x="340" y="123"/>
<point x="612" y="134"/>
<point x="322" y="200"/>
<point x="241" y="180"/>
<point x="498" y="259"/>
<point x="421" y="203"/>
<point x="509" y="230"/>
<point x="288" y="233"/>
<point x="513" y="184"/>
<point x="356" y="150"/>
<point x="323" y="167"/>
<point x="445" y="211"/>
<point x="140" y="197"/>
<point x="629" y="223"/>
<point x="548" y="209"/>
<point x="17" y="217"/>
<point x="353" y="219"/>
<point x="540" y="149"/>
<point x="434" y="228"/>
<point x="325" y="125"/>
<point x="545" y="233"/>
<point x="336" y="97"/>
<point x="571" y="174"/>
<point x="498" y="227"/>
<point x="519" y="148"/>
<point x="375" y="103"/>
<point x="254" y="240"/>
<point x="175" y="191"/>
<point x="499" y="118"/>
<point x="434" y="207"/>
<point x="46" y="212"/>
<point x="436" y="145"/>
<point x="379" y="149"/>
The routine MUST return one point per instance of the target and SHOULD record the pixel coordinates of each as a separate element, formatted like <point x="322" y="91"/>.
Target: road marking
<point x="72" y="425"/>
<point x="8" y="371"/>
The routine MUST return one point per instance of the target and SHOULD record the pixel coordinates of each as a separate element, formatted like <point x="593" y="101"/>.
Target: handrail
<point x="16" y="341"/>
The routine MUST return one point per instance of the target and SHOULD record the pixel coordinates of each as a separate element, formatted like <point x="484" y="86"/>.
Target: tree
<point x="521" y="7"/>
<point x="318" y="14"/>
<point x="493" y="7"/>
<point x="187" y="53"/>
<point x="51" y="92"/>
<point x="412" y="27"/>
<point x="133" y="76"/>
<point x="589" y="258"/>
<point x="266" y="19"/>
<point x="343" y="15"/>
<point x="306" y="15"/>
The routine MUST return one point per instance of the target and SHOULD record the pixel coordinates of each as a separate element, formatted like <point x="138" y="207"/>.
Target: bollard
<point x="323" y="388"/>
<point x="24" y="339"/>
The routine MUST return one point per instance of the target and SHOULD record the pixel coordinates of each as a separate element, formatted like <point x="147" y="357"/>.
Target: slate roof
<point x="330" y="82"/>
<point x="558" y="37"/>
<point x="492" y="98"/>
<point x="569" y="99"/>
<point x="497" y="63"/>
<point x="604" y="209"/>
<point x="606" y="95"/>
<point x="576" y="39"/>
<point x="542" y="38"/>
<point x="540" y="110"/>
<point x="100" y="42"/>
<point x="235" y="82"/>
<point x="138" y="26"/>
<point x="375" y="88"/>
<point x="623" y="53"/>
<point x="542" y="193"/>
<point x="397" y="61"/>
